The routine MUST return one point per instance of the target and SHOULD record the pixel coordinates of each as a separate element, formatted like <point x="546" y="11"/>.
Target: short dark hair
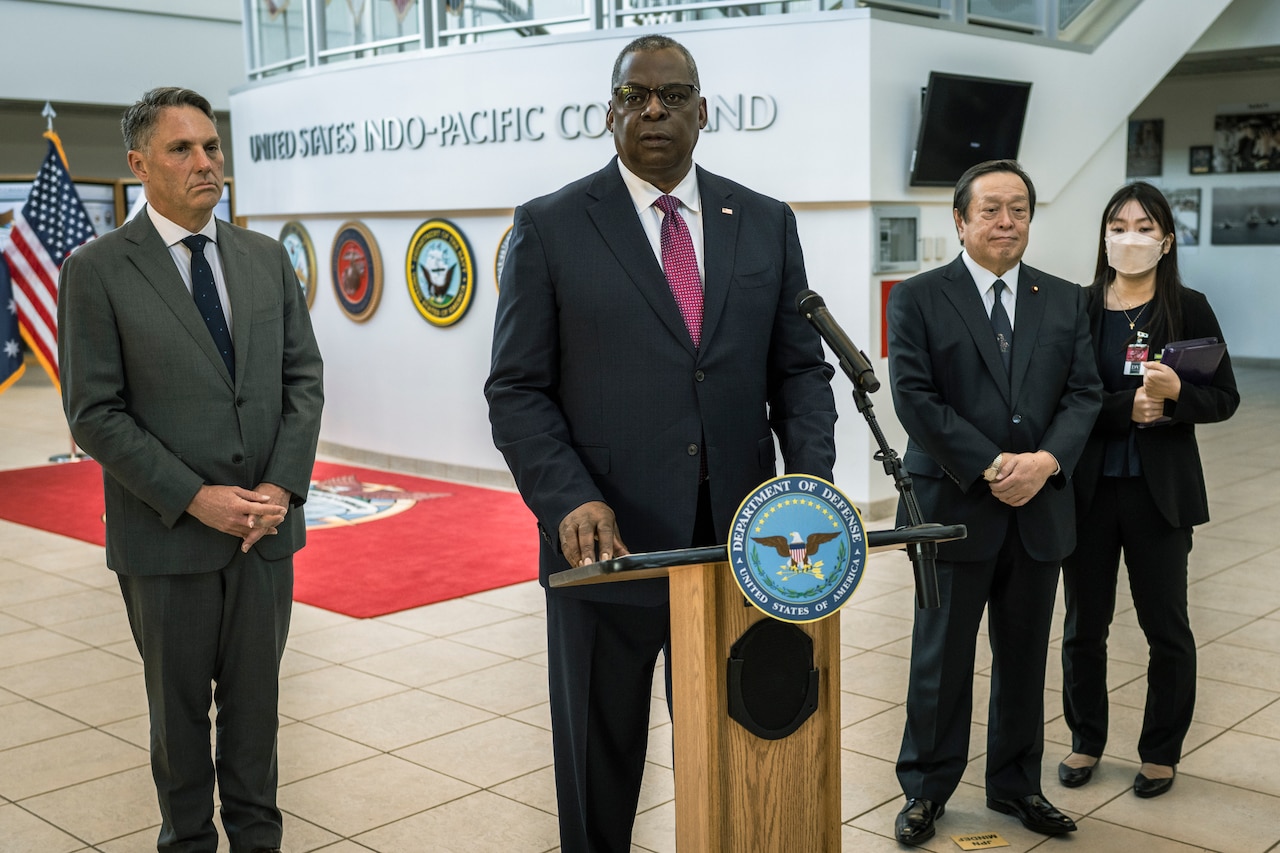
<point x="139" y="120"/>
<point x="964" y="186"/>
<point x="648" y="44"/>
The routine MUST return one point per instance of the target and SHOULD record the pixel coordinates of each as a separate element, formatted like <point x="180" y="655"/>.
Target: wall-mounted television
<point x="966" y="120"/>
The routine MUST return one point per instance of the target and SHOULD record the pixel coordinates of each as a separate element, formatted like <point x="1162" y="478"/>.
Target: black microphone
<point x="852" y="360"/>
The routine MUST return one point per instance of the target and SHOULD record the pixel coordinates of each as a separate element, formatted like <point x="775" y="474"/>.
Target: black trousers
<point x="600" y="661"/>
<point x="214" y="638"/>
<point x="1124" y="519"/>
<point x="1018" y="594"/>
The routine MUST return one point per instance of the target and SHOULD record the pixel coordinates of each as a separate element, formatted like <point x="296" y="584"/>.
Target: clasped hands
<point x="1159" y="383"/>
<point x="1022" y="476"/>
<point x="247" y="514"/>
<point x="590" y="532"/>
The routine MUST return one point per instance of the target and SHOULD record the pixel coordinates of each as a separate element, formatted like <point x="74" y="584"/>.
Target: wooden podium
<point x="735" y="791"/>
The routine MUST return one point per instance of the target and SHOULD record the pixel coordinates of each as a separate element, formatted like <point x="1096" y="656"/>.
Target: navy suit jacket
<point x="597" y="393"/>
<point x="961" y="408"/>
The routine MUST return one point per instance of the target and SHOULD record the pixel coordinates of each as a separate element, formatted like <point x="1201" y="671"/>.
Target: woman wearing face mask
<point x="1139" y="491"/>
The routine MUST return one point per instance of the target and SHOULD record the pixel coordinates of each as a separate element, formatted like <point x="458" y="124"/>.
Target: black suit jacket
<point x="960" y="408"/>
<point x="597" y="393"/>
<point x="1169" y="453"/>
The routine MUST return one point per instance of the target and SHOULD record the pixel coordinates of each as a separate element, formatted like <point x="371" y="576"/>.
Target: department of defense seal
<point x="357" y="271"/>
<point x="302" y="254"/>
<point x="440" y="272"/>
<point x="797" y="548"/>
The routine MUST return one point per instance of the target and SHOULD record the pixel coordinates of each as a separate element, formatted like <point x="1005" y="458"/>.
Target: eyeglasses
<point x="673" y="96"/>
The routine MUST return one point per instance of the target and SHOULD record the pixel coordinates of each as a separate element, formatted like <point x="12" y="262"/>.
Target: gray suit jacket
<point x="960" y="408"/>
<point x="147" y="395"/>
<point x="596" y="391"/>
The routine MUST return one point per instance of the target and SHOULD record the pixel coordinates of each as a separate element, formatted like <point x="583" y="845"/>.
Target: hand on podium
<point x="590" y="525"/>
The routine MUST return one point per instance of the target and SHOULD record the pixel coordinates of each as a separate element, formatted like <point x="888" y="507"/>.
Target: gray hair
<point x="139" y="121"/>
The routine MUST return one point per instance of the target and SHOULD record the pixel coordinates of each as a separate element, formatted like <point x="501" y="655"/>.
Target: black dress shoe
<point x="1074" y="777"/>
<point x="1036" y="813"/>
<point x="915" y="822"/>
<point x="1147" y="788"/>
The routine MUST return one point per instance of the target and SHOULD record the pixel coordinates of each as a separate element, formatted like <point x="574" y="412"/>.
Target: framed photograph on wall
<point x="1186" y="215"/>
<point x="1246" y="216"/>
<point x="1200" y="159"/>
<point x="1247" y="142"/>
<point x="1146" y="148"/>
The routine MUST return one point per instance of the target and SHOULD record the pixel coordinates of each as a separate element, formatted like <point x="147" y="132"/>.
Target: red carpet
<point x="377" y="542"/>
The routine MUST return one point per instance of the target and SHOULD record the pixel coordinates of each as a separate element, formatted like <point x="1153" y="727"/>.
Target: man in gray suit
<point x="646" y="352"/>
<point x="204" y="413"/>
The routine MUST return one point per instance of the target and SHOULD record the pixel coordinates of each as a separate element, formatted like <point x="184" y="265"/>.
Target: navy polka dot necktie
<point x="205" y="292"/>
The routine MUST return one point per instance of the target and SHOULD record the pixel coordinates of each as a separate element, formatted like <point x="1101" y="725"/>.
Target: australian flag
<point x="11" y="365"/>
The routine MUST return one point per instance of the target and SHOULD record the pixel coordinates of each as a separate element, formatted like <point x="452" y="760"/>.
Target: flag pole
<point x="49" y="114"/>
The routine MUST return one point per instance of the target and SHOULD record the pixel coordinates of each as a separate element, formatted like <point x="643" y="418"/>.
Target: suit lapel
<point x="962" y="292"/>
<point x="151" y="257"/>
<point x="614" y="215"/>
<point x="719" y="237"/>
<point x="1028" y="316"/>
<point x="236" y="268"/>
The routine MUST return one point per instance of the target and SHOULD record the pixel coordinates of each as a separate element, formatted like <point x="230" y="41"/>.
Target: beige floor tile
<point x="52" y="675"/>
<point x="877" y="675"/>
<point x="400" y="720"/>
<point x="65" y="760"/>
<point x="511" y="827"/>
<point x="295" y="663"/>
<point x="73" y="606"/>
<point x="879" y="736"/>
<point x="866" y="783"/>
<point x="23" y="832"/>
<point x="1265" y="722"/>
<point x="1261" y="634"/>
<point x="322" y="691"/>
<point x="1211" y="553"/>
<point x="102" y="809"/>
<point x="305" y="618"/>
<point x="448" y="617"/>
<point x="99" y="704"/>
<point x="485" y="754"/>
<point x="1204" y="814"/>
<point x="1221" y="704"/>
<point x="305" y="751"/>
<point x="660" y="750"/>
<point x="13" y="625"/>
<point x="35" y="644"/>
<point x="1233" y="664"/>
<point x="855" y="840"/>
<point x="65" y="553"/>
<point x="428" y="662"/>
<point x="862" y="629"/>
<point x="655" y="829"/>
<point x="107" y="629"/>
<point x="526" y="597"/>
<point x="352" y="640"/>
<point x="855" y="708"/>
<point x="658" y="786"/>
<point x="24" y="722"/>
<point x="1102" y="837"/>
<point x="1235" y="758"/>
<point x="368" y="794"/>
<point x="1256" y="573"/>
<point x="135" y="730"/>
<point x="514" y="638"/>
<point x="501" y="689"/>
<point x="301" y="836"/>
<point x="538" y="789"/>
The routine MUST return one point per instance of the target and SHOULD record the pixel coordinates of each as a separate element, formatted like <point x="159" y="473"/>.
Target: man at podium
<point x="646" y="352"/>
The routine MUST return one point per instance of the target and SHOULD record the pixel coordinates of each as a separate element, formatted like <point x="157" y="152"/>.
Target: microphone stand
<point x="923" y="554"/>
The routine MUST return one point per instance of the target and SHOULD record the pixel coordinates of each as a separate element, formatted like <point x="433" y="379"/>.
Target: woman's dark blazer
<point x="1170" y="457"/>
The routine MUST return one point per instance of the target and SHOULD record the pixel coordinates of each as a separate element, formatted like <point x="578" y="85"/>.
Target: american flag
<point x="11" y="365"/>
<point x="50" y="225"/>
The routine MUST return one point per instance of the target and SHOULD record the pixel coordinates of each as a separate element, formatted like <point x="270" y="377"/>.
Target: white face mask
<point x="1132" y="253"/>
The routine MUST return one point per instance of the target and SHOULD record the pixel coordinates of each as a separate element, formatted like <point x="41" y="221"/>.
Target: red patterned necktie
<point x="681" y="265"/>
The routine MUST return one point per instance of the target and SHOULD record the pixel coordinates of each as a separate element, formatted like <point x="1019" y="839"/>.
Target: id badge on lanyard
<point x="1135" y="356"/>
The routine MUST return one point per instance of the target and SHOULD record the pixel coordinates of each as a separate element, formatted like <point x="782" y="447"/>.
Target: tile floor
<point x="428" y="730"/>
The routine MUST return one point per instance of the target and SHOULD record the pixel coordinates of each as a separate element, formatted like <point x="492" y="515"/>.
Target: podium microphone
<point x="852" y="360"/>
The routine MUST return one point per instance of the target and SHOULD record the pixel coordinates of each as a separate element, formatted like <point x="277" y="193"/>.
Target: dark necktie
<point x="1001" y="325"/>
<point x="681" y="265"/>
<point x="205" y="292"/>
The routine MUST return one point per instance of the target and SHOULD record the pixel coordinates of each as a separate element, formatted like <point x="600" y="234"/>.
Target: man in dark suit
<point x="204" y="414"/>
<point x="994" y="380"/>
<point x="646" y="352"/>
